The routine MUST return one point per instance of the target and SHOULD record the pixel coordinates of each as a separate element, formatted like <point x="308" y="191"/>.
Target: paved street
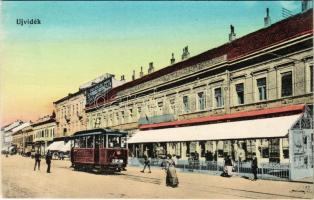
<point x="20" y="181"/>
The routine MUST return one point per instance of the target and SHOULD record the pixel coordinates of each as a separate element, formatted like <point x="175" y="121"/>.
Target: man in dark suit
<point x="254" y="167"/>
<point x="37" y="160"/>
<point x="146" y="163"/>
<point x="48" y="160"/>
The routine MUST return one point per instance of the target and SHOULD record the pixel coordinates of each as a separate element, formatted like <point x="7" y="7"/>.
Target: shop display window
<point x="264" y="148"/>
<point x="274" y="150"/>
<point x="285" y="148"/>
<point x="202" y="145"/>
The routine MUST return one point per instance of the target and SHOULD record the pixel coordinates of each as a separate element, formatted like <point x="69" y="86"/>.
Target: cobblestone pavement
<point x="20" y="181"/>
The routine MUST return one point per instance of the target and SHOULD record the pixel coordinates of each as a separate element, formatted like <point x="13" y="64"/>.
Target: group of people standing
<point x="229" y="167"/>
<point x="169" y="166"/>
<point x="48" y="158"/>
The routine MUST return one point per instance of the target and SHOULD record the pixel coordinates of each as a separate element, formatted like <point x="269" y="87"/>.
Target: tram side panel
<point x="83" y="155"/>
<point x="112" y="156"/>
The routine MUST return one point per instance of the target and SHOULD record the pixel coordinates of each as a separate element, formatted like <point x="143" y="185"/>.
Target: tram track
<point x="210" y="188"/>
<point x="242" y="193"/>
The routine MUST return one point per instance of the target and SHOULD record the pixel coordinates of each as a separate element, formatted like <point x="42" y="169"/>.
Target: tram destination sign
<point x="93" y="92"/>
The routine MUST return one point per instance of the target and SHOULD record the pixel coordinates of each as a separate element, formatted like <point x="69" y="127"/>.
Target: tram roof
<point x="98" y="131"/>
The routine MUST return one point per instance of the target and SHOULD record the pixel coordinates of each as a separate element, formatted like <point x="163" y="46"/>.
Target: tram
<point x="99" y="149"/>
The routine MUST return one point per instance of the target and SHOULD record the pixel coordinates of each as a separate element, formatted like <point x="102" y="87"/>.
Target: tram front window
<point x="116" y="141"/>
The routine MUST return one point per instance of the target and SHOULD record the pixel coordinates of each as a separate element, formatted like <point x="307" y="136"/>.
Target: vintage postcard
<point x="156" y="99"/>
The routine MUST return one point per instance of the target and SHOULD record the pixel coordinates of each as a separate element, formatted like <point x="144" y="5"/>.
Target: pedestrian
<point x="254" y="167"/>
<point x="146" y="164"/>
<point x="48" y="160"/>
<point x="196" y="156"/>
<point x="37" y="160"/>
<point x="209" y="156"/>
<point x="228" y="167"/>
<point x="171" y="177"/>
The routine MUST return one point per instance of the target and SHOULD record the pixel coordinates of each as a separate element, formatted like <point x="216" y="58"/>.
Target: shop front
<point x="284" y="140"/>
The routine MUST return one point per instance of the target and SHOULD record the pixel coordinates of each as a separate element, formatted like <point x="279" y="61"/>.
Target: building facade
<point x="6" y="134"/>
<point x="70" y="110"/>
<point x="245" y="74"/>
<point x="70" y="115"/>
<point x="28" y="140"/>
<point x="271" y="68"/>
<point x="43" y="133"/>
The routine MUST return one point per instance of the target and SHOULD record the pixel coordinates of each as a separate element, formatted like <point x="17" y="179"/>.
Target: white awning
<point x="256" y="128"/>
<point x="66" y="147"/>
<point x="56" y="146"/>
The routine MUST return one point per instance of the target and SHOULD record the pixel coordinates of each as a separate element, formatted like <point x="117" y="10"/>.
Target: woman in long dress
<point x="171" y="178"/>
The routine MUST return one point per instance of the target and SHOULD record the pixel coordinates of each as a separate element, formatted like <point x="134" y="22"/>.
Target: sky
<point x="79" y="41"/>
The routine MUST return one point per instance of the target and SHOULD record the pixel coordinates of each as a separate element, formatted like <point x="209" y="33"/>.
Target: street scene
<point x="19" y="180"/>
<point x="187" y="100"/>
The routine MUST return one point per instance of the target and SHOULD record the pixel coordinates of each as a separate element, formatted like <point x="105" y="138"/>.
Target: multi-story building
<point x="70" y="110"/>
<point x="17" y="137"/>
<point x="43" y="133"/>
<point x="6" y="134"/>
<point x="28" y="139"/>
<point x="70" y="115"/>
<point x="265" y="74"/>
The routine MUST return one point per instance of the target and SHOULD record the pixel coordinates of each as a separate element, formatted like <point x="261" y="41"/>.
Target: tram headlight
<point x="117" y="161"/>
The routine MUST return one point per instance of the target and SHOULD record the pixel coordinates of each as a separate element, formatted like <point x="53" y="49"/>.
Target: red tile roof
<point x="234" y="116"/>
<point x="279" y="32"/>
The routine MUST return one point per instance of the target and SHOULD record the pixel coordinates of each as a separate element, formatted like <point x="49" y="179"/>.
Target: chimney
<point x="232" y="35"/>
<point x="133" y="76"/>
<point x="151" y="68"/>
<point x="141" y="73"/>
<point x="172" y="60"/>
<point x="185" y="53"/>
<point x="122" y="78"/>
<point x="267" y="21"/>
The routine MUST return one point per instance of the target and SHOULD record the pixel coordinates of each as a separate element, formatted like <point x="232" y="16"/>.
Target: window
<point x="261" y="87"/>
<point x="82" y="142"/>
<point x="202" y="145"/>
<point x="311" y="78"/>
<point x="218" y="97"/>
<point x="220" y="149"/>
<point x="240" y="93"/>
<point x="173" y="104"/>
<point x="160" y="104"/>
<point x="90" y="141"/>
<point x="249" y="147"/>
<point x="139" y="109"/>
<point x="201" y="100"/>
<point x="122" y="116"/>
<point x="274" y="150"/>
<point x="286" y="84"/>
<point x="285" y="148"/>
<point x="186" y="104"/>
<point x="187" y="153"/>
<point x="117" y="117"/>
<point x="102" y="141"/>
<point x="264" y="148"/>
<point x="116" y="141"/>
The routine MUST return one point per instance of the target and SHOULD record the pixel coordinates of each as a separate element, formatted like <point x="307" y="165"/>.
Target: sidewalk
<point x="235" y="184"/>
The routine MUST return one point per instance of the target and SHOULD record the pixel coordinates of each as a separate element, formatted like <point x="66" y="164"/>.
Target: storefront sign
<point x="97" y="90"/>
